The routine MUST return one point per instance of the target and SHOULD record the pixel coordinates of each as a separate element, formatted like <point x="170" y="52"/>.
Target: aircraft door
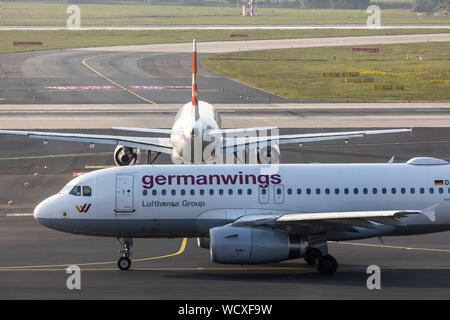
<point x="124" y="193"/>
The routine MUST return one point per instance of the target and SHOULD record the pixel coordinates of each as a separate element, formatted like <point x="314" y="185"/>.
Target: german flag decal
<point x="438" y="182"/>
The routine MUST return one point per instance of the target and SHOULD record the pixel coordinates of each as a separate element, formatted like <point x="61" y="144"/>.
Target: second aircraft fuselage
<point x="190" y="125"/>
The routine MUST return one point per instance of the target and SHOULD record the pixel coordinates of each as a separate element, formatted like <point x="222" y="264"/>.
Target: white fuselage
<point x="190" y="125"/>
<point x="188" y="200"/>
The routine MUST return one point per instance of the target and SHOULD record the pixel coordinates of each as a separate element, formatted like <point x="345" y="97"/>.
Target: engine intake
<point x="269" y="155"/>
<point x="124" y="156"/>
<point x="242" y="245"/>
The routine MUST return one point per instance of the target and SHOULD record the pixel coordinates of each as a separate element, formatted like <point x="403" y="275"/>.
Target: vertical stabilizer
<point x="194" y="75"/>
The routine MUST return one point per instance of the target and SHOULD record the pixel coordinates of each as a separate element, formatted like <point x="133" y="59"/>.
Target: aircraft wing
<point x="236" y="143"/>
<point x="155" y="144"/>
<point x="345" y="221"/>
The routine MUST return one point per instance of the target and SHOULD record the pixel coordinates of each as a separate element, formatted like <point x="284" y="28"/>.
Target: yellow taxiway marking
<point x="19" y="214"/>
<point x="98" y="167"/>
<point x="389" y="247"/>
<point x="180" y="251"/>
<point x="59" y="156"/>
<point x="369" y="144"/>
<point x="113" y="82"/>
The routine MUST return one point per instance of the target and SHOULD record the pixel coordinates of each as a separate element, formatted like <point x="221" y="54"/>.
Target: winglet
<point x="430" y="212"/>
<point x="194" y="74"/>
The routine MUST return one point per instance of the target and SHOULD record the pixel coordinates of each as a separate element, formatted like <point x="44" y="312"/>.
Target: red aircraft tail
<point x="194" y="74"/>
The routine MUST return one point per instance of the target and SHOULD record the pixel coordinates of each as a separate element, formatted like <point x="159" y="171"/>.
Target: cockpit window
<point x="87" y="192"/>
<point x="76" y="191"/>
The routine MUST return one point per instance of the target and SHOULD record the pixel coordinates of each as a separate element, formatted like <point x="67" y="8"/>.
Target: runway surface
<point x="412" y="267"/>
<point x="67" y="89"/>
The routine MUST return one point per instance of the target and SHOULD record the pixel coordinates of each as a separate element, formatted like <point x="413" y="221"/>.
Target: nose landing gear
<point x="124" y="262"/>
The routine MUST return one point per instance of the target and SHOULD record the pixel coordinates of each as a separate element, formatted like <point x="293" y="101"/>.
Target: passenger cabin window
<point x="87" y="191"/>
<point x="76" y="191"/>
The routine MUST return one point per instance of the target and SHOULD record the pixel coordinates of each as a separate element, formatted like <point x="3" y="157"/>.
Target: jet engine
<point x="245" y="245"/>
<point x="124" y="156"/>
<point x="269" y="155"/>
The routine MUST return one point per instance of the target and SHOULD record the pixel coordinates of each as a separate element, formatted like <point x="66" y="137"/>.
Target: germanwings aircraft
<point x="251" y="214"/>
<point x="197" y="137"/>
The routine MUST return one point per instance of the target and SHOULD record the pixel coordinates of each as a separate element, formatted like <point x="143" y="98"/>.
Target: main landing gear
<point x="124" y="262"/>
<point x="317" y="254"/>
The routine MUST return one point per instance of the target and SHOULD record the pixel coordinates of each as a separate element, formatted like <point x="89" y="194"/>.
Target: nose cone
<point x="44" y="211"/>
<point x="39" y="211"/>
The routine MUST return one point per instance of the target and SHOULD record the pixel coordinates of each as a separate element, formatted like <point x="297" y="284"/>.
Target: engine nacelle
<point x="269" y="155"/>
<point x="243" y="245"/>
<point x="124" y="156"/>
<point x="203" y="242"/>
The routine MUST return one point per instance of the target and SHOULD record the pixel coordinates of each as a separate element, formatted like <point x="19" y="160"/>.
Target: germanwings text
<point x="263" y="180"/>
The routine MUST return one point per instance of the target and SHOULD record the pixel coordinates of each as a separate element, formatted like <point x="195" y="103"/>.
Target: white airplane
<point x="197" y="137"/>
<point x="255" y="213"/>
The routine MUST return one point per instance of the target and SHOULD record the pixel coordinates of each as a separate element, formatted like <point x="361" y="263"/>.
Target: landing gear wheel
<point x="124" y="263"/>
<point x="311" y="255"/>
<point x="326" y="265"/>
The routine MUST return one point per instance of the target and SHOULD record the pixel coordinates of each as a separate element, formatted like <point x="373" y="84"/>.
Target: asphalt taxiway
<point x="34" y="258"/>
<point x="56" y="90"/>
